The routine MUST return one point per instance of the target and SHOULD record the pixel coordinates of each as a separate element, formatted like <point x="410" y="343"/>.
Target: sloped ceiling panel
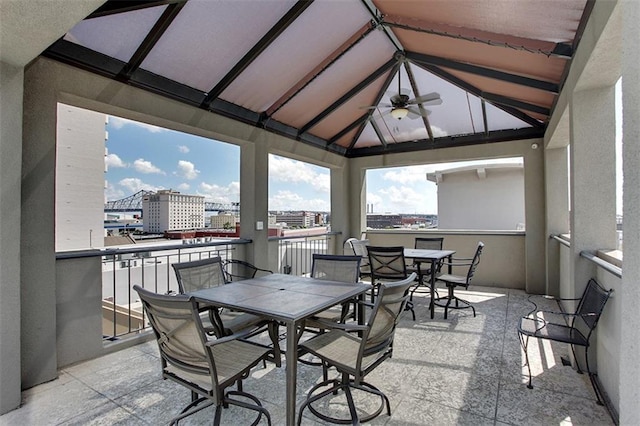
<point x="363" y="59"/>
<point x="318" y="32"/>
<point x="208" y="38"/>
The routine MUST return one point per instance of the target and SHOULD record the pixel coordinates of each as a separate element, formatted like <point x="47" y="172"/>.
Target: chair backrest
<point x="474" y="262"/>
<point x="431" y="243"/>
<point x="238" y="270"/>
<point x="381" y="324"/>
<point x="336" y="268"/>
<point x="592" y="302"/>
<point x="387" y="263"/>
<point x="359" y="248"/>
<point x="179" y="332"/>
<point x="199" y="274"/>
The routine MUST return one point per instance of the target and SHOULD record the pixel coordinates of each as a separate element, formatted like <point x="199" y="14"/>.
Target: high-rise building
<point x="169" y="210"/>
<point x="80" y="182"/>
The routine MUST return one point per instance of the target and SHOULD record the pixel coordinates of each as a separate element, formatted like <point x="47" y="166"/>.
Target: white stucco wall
<point x="481" y="199"/>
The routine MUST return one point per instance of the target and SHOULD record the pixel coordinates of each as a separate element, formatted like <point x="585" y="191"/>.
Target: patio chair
<point x="207" y="273"/>
<point x="359" y="248"/>
<point x="334" y="268"/>
<point x="387" y="264"/>
<point x="356" y="350"/>
<point x="424" y="273"/>
<point x="453" y="281"/>
<point x="204" y="365"/>
<point x="237" y="270"/>
<point x="331" y="268"/>
<point x="572" y="328"/>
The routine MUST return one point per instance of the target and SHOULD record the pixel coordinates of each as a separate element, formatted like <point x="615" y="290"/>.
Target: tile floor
<point x="459" y="371"/>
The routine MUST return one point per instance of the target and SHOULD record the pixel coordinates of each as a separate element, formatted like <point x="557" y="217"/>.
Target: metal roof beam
<point x="484" y="72"/>
<point x="113" y="7"/>
<point x="505" y="100"/>
<point x="150" y="40"/>
<point x="416" y="92"/>
<point x="350" y="127"/>
<point x="256" y="50"/>
<point x="350" y="94"/>
<point x="477" y="92"/>
<point x="448" y="142"/>
<point x="359" y="35"/>
<point x="546" y="48"/>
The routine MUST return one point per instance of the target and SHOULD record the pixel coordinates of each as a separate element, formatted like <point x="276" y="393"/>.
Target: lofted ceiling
<point x="355" y="77"/>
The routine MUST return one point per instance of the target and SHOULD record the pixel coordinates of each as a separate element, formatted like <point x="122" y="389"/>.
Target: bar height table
<point x="434" y="257"/>
<point x="285" y="298"/>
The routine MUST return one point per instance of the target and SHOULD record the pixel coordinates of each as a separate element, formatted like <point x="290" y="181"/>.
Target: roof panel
<point x="349" y="70"/>
<point x="521" y="62"/>
<point x="367" y="138"/>
<point x="314" y="36"/>
<point x="208" y="38"/>
<point x="554" y="21"/>
<point x="118" y="35"/>
<point x="349" y="111"/>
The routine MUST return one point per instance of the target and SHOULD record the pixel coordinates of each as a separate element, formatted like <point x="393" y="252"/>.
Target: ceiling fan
<point x="402" y="106"/>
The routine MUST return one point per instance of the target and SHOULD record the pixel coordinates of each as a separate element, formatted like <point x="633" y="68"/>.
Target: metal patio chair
<point x="206" y="366"/>
<point x="207" y="273"/>
<point x="387" y="264"/>
<point x="359" y="248"/>
<point x="237" y="270"/>
<point x="451" y="301"/>
<point x="428" y="243"/>
<point x="356" y="350"/>
<point x="572" y="328"/>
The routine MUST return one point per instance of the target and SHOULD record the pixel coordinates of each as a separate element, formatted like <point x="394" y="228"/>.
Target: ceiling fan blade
<point x="428" y="99"/>
<point x="415" y="113"/>
<point x="376" y="106"/>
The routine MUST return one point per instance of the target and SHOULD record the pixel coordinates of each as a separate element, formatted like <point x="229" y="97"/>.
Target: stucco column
<point x="38" y="262"/>
<point x="340" y="197"/>
<point x="593" y="178"/>
<point x="11" y="86"/>
<point x="557" y="211"/>
<point x="630" y="288"/>
<point x="254" y="201"/>
<point x="534" y="217"/>
<point x="357" y="198"/>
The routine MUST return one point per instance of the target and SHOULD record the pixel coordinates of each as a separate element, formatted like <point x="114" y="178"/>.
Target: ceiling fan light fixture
<point x="399" y="113"/>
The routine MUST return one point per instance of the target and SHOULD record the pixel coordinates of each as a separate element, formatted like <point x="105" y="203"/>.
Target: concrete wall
<point x="11" y="82"/>
<point x="78" y="310"/>
<point x="503" y="259"/>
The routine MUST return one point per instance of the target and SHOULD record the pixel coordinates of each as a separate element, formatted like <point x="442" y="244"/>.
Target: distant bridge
<point x="133" y="203"/>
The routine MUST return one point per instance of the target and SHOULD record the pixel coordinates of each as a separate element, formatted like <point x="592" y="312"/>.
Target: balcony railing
<point x="295" y="253"/>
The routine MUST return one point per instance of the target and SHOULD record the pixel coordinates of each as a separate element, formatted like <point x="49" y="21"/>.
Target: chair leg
<point x="592" y="377"/>
<point x="524" y="342"/>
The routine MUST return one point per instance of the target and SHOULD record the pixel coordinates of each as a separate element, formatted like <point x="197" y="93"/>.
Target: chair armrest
<point x="455" y="264"/>
<point x="235" y="336"/>
<point x="328" y="325"/>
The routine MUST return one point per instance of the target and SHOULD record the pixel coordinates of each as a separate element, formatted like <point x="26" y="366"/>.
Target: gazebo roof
<point x="336" y="74"/>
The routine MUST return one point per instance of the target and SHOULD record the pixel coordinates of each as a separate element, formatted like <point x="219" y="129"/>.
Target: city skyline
<point x="201" y="166"/>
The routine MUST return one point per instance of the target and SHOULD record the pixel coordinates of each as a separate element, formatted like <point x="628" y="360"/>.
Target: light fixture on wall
<point x="399" y="113"/>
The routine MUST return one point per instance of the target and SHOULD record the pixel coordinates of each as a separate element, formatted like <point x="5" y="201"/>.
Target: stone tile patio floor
<point x="462" y="370"/>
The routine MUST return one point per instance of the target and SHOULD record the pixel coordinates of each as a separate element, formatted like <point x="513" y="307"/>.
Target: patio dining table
<point x="284" y="298"/>
<point x="433" y="257"/>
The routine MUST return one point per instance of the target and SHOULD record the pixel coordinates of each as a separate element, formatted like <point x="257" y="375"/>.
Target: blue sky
<point x="141" y="156"/>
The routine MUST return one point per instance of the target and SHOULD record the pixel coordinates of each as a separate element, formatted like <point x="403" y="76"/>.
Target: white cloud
<point x="187" y="170"/>
<point x="286" y="170"/>
<point x="288" y="200"/>
<point x="143" y="166"/>
<point x="119" y="123"/>
<point x="220" y="194"/>
<point x="402" y="199"/>
<point x="183" y="149"/>
<point x="133" y="185"/>
<point x="112" y="193"/>
<point x="112" y="160"/>
<point x="183" y="186"/>
<point x="407" y="175"/>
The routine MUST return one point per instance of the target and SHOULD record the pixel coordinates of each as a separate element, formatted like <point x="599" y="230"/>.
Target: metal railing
<point x="148" y="267"/>
<point x="295" y="253"/>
